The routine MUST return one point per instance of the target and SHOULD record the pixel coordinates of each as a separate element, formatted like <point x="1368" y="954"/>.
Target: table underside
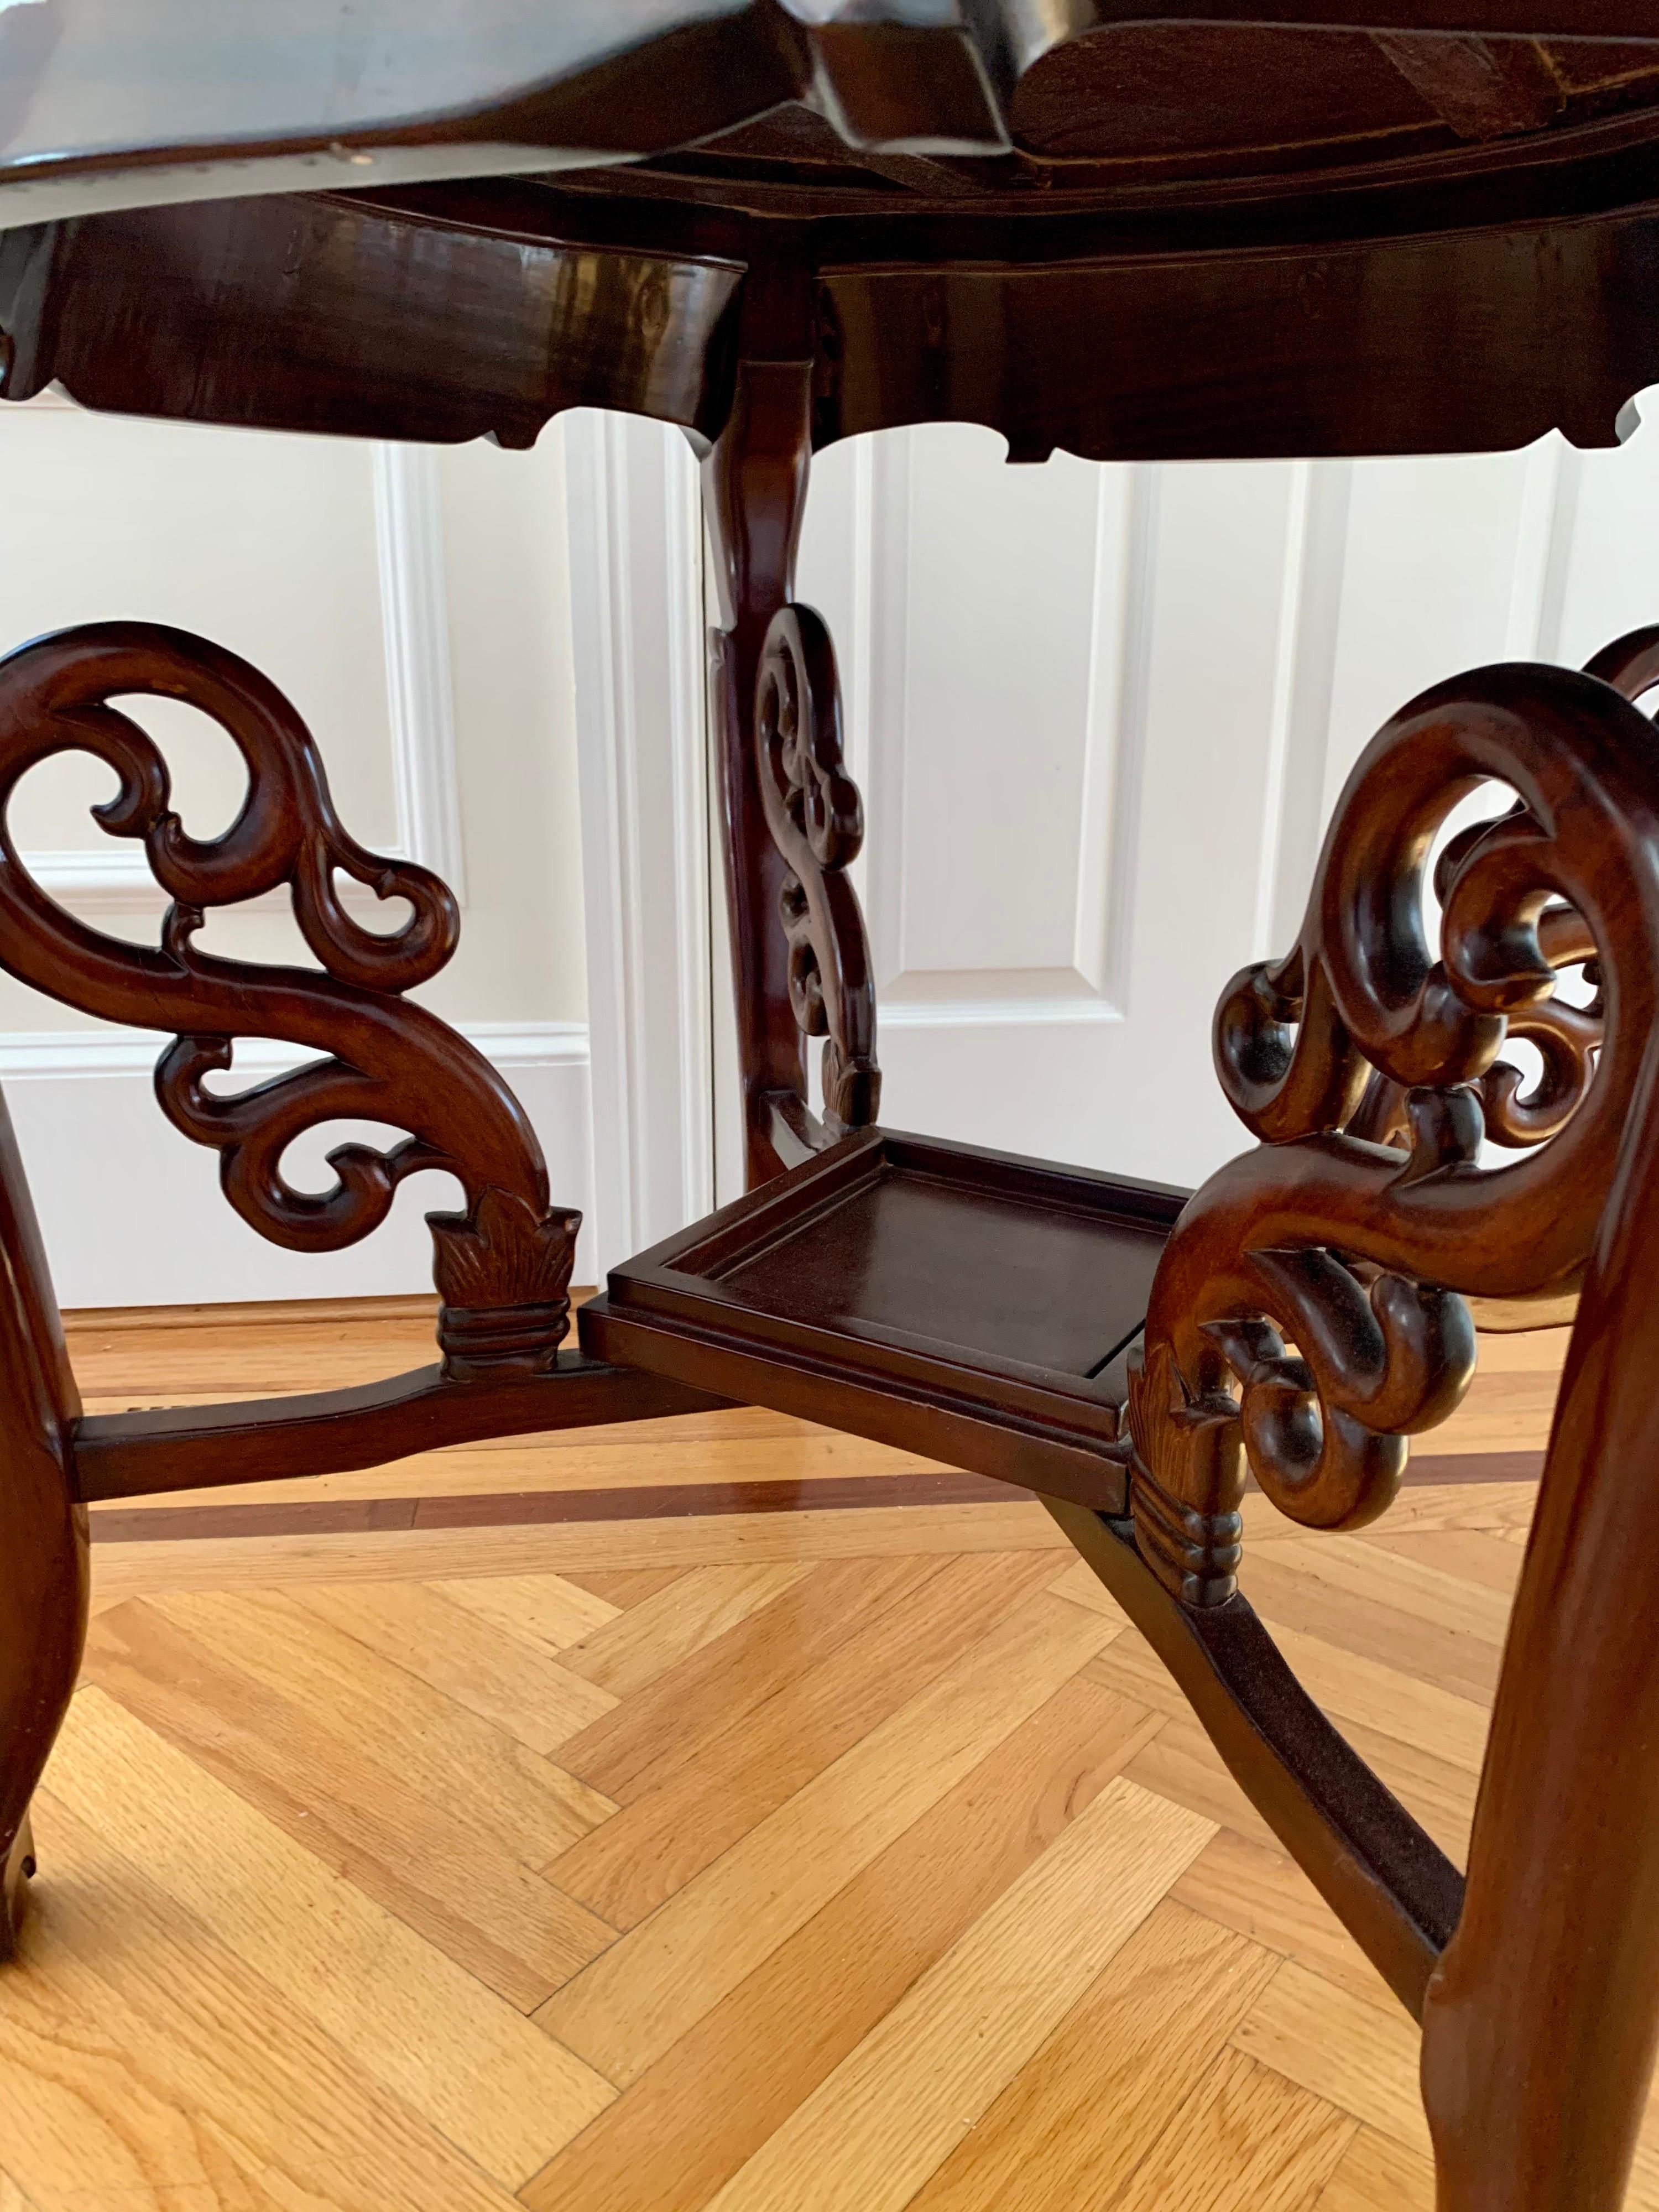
<point x="1375" y="229"/>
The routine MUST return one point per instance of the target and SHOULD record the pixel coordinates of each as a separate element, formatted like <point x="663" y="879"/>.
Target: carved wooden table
<point x="1359" y="227"/>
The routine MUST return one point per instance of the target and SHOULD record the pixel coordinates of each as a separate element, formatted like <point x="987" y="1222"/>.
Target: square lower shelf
<point x="962" y="1303"/>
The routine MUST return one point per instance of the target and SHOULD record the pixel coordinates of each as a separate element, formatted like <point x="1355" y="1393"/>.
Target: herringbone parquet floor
<point x="660" y="1821"/>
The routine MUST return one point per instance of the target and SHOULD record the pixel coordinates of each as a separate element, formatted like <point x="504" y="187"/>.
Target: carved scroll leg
<point x="43" y="1536"/>
<point x="791" y="815"/>
<point x="1539" y="2026"/>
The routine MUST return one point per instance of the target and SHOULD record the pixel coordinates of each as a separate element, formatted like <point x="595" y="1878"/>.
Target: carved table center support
<point x="790" y="816"/>
<point x="816" y="820"/>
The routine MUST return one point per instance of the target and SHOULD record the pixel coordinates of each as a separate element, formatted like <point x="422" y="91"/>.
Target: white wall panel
<point x="415" y="606"/>
<point x="131" y="1212"/>
<point x="1102" y="716"/>
<point x="980" y="730"/>
<point x="636" y="551"/>
<point x="1611" y="582"/>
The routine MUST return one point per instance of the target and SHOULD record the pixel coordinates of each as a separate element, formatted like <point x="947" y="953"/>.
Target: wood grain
<point x="692" y="1809"/>
<point x="695" y="2115"/>
<point x="221" y="1563"/>
<point x="136" y="2059"/>
<point x="1247" y="2140"/>
<point x="1072" y="2126"/>
<point x="623" y="1655"/>
<point x="900" y="2103"/>
<point x="640" y="1997"/>
<point x="546" y="1612"/>
<point x="428" y="2032"/>
<point x="460" y="1654"/>
<point x="319" y="1806"/>
<point x="1376" y="2175"/>
<point x="423" y="1858"/>
<point x="1248" y="1886"/>
<point x="1342" y="2048"/>
<point x="775" y="1646"/>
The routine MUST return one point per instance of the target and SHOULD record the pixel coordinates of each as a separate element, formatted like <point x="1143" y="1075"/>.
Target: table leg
<point x="43" y="1530"/>
<point x="1539" y="2026"/>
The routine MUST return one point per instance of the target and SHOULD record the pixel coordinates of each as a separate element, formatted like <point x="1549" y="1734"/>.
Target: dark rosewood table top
<point x="1361" y="226"/>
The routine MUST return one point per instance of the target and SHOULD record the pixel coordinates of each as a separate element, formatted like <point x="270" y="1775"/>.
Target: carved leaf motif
<point x="387" y="1060"/>
<point x="1187" y="1521"/>
<point x="502" y="1270"/>
<point x="504" y="1253"/>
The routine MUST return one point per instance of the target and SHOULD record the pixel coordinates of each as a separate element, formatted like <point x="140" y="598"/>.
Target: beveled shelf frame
<point x="891" y="1285"/>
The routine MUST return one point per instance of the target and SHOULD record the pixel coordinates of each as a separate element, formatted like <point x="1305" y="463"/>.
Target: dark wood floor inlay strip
<point x="1431" y="1468"/>
<point x="522" y="1509"/>
<point x="517" y="1508"/>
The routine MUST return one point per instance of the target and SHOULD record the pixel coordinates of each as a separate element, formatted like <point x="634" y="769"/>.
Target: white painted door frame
<point x="636" y="587"/>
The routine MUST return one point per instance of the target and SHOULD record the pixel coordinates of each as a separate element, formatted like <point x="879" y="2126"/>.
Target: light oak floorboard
<point x="463" y="1658"/>
<point x="421" y="1854"/>
<point x="1257" y="1891"/>
<point x="1083" y="1586"/>
<point x="640" y="1997"/>
<point x="622" y="1656"/>
<point x="136" y="2058"/>
<point x="1351" y="2053"/>
<point x="1492" y="1507"/>
<point x="491" y="2083"/>
<point x="772" y="1651"/>
<point x="856" y="1782"/>
<point x="1182" y="1765"/>
<point x="693" y="2118"/>
<point x="1376" y="2175"/>
<point x="626" y="1586"/>
<point x="1074" y="2123"/>
<point x="1292" y="1593"/>
<point x="373" y="1708"/>
<point x="1405" y="1583"/>
<point x="667" y="1834"/>
<point x="547" y="1612"/>
<point x="1247" y="2140"/>
<point x="423" y="1555"/>
<point x="1470" y="1556"/>
<point x="898" y="2104"/>
<point x="1354" y="1690"/>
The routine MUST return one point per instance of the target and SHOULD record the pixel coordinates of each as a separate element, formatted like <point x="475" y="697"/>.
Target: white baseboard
<point x="132" y="1213"/>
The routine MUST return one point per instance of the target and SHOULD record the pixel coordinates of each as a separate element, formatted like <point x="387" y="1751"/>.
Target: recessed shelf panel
<point x="963" y="1304"/>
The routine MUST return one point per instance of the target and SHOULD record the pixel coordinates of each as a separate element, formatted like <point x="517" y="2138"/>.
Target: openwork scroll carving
<point x="816" y="820"/>
<point x="502" y="1266"/>
<point x="1371" y="1070"/>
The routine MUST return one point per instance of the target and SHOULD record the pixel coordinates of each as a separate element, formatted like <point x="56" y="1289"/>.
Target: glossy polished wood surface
<point x="43" y="1527"/>
<point x="919" y="1289"/>
<point x="100" y="109"/>
<point x="1366" y="229"/>
<point x="1394" y="229"/>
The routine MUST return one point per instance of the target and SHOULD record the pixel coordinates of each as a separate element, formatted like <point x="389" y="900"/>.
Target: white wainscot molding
<point x="115" y="877"/>
<point x="131" y="1211"/>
